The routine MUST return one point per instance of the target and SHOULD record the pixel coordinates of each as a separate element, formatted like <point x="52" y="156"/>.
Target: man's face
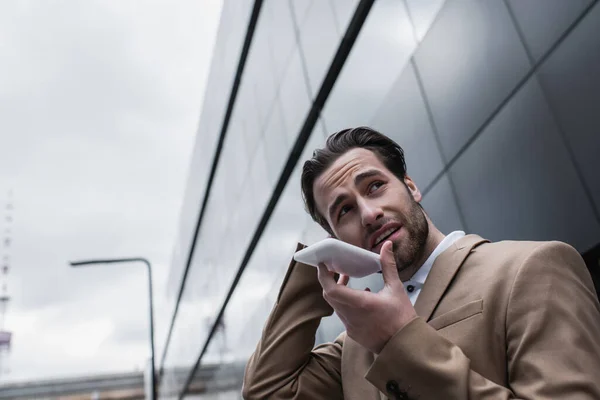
<point x="366" y="204"/>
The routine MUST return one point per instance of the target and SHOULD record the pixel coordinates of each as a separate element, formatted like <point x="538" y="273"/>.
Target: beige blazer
<point x="506" y="320"/>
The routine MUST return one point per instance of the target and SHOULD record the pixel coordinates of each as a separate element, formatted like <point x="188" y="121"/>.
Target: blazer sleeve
<point x="553" y="341"/>
<point x="284" y="364"/>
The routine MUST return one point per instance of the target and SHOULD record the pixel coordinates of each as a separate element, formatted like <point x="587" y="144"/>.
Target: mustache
<point x="374" y="228"/>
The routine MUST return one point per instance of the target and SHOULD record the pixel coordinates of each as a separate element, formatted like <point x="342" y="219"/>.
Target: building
<point x="495" y="103"/>
<point x="210" y="380"/>
<point x="124" y="386"/>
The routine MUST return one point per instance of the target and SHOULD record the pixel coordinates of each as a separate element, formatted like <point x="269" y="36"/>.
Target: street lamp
<point x="126" y="260"/>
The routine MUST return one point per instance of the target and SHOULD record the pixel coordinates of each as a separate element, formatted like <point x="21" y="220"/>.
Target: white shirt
<point x="415" y="284"/>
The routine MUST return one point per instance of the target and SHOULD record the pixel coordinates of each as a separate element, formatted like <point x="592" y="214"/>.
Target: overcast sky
<point x="99" y="102"/>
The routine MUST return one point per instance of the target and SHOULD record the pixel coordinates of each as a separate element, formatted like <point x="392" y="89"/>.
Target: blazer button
<point x="392" y="387"/>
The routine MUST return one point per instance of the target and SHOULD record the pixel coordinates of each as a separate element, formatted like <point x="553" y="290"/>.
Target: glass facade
<point x="495" y="104"/>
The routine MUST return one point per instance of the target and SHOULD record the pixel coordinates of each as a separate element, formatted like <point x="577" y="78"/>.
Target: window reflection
<point x="422" y="14"/>
<point x="319" y="40"/>
<point x="381" y="51"/>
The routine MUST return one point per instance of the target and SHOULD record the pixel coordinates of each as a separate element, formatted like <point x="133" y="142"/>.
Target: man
<point x="506" y="320"/>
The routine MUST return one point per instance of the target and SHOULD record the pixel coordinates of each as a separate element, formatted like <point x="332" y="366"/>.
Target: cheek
<point x="401" y="202"/>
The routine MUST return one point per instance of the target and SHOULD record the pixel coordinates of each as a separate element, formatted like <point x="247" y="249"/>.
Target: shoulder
<point x="554" y="259"/>
<point x="523" y="251"/>
<point x="509" y="258"/>
<point x="530" y="258"/>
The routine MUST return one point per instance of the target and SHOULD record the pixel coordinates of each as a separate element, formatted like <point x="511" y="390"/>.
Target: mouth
<point x="382" y="234"/>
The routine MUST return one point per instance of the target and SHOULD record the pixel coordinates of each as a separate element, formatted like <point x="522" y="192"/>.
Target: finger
<point x="338" y="295"/>
<point x="326" y="277"/>
<point x="344" y="296"/>
<point x="388" y="263"/>
<point x="343" y="280"/>
<point x="330" y="286"/>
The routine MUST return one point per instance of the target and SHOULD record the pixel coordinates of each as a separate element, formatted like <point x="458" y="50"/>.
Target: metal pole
<point x="151" y="329"/>
<point x="151" y="303"/>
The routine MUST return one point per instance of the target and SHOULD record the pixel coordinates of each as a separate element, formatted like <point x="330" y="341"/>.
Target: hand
<point x="371" y="319"/>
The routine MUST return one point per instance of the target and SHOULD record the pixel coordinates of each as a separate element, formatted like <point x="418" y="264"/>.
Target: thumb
<point x="388" y="263"/>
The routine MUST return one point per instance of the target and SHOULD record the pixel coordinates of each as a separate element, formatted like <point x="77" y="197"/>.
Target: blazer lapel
<point x="443" y="270"/>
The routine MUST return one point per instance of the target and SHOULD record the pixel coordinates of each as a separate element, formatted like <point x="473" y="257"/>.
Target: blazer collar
<point x="443" y="270"/>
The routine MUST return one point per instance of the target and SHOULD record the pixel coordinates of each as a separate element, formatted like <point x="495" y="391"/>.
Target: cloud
<point x="99" y="105"/>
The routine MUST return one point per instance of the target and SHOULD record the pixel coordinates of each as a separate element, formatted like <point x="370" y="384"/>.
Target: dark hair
<point x="388" y="151"/>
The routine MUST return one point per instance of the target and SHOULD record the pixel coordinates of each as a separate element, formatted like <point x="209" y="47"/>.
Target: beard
<point x="410" y="250"/>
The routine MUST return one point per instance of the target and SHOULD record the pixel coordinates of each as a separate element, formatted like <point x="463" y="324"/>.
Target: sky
<point x="99" y="104"/>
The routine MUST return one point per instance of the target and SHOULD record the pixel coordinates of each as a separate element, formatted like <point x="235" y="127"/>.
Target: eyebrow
<point x="358" y="179"/>
<point x="365" y="175"/>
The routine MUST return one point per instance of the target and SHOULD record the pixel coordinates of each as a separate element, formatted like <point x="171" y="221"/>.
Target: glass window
<point x="276" y="145"/>
<point x="382" y="49"/>
<point x="422" y="14"/>
<point x="235" y="152"/>
<point x="249" y="212"/>
<point x="343" y="10"/>
<point x="300" y="9"/>
<point x="282" y="34"/>
<point x="294" y="98"/>
<point x="259" y="70"/>
<point x="202" y="298"/>
<point x="319" y="40"/>
<point x="246" y="112"/>
<point x="262" y="186"/>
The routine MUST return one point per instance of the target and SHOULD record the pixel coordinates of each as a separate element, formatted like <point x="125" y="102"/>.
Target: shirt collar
<point x="421" y="275"/>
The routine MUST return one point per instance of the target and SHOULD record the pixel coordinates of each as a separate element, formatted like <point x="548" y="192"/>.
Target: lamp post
<point x="127" y="260"/>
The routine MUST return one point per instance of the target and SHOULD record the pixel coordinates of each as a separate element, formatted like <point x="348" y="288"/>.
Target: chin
<point x="403" y="255"/>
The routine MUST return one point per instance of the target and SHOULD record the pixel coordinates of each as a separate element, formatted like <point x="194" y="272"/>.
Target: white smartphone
<point x="340" y="257"/>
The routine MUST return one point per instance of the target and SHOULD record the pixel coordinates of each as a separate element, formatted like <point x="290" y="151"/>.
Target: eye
<point x="374" y="186"/>
<point x="344" y="210"/>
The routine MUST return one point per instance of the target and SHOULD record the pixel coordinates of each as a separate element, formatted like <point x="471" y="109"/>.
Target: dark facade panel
<point x="571" y="79"/>
<point x="517" y="180"/>
<point x="470" y="61"/>
<point x="403" y="117"/>
<point x="542" y="22"/>
<point x="439" y="203"/>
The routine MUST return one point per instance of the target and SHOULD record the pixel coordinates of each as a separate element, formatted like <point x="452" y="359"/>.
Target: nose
<point x="370" y="213"/>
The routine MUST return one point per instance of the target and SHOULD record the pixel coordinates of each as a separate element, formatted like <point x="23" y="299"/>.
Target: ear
<point x="413" y="189"/>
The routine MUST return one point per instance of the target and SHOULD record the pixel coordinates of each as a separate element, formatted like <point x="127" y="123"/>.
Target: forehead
<point x="342" y="172"/>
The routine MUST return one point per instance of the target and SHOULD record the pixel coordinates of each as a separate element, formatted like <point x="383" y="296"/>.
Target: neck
<point x="434" y="238"/>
